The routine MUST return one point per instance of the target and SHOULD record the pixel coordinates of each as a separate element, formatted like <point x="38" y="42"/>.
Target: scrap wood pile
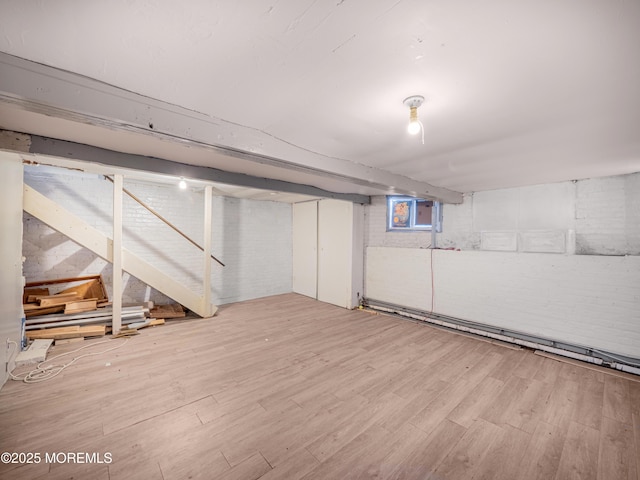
<point x="85" y="297"/>
<point x="83" y="310"/>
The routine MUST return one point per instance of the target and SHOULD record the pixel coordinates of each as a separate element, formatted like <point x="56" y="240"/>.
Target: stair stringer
<point x="79" y="231"/>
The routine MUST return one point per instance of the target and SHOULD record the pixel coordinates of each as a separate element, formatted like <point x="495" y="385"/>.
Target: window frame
<point x="411" y="226"/>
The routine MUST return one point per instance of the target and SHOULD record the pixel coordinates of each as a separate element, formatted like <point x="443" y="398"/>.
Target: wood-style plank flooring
<point x="289" y="388"/>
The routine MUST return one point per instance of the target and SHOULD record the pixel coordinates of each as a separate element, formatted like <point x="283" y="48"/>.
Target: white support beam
<point x="116" y="246"/>
<point x="57" y="93"/>
<point x="206" y="278"/>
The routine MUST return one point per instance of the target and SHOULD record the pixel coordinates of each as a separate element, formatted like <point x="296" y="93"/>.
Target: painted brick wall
<point x="375" y="229"/>
<point x="458" y="230"/>
<point x="597" y="217"/>
<point x="252" y="238"/>
<point x="582" y="299"/>
<point x="255" y="242"/>
<point x="608" y="216"/>
<point x="592" y="298"/>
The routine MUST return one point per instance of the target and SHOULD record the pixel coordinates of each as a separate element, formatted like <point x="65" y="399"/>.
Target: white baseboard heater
<point x="579" y="352"/>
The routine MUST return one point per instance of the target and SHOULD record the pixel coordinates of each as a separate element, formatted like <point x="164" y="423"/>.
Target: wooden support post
<point x="206" y="279"/>
<point x="117" y="254"/>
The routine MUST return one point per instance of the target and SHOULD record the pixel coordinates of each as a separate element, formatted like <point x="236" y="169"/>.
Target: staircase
<point x="84" y="234"/>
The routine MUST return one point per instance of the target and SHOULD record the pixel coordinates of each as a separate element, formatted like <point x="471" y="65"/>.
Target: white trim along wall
<point x="560" y="261"/>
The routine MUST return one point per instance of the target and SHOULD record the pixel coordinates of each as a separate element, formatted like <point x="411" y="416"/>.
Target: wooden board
<point x="92" y="289"/>
<point x="93" y="330"/>
<point x="57" y="281"/>
<point x="66" y="341"/>
<point x="33" y="291"/>
<point x="87" y="305"/>
<point x="67" y="332"/>
<point x="60" y="299"/>
<point x="54" y="333"/>
<point x="167" y="311"/>
<point x="31" y="309"/>
<point x="151" y="322"/>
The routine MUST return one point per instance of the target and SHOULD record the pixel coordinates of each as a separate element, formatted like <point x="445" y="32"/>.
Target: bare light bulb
<point x="414" y="123"/>
<point x="182" y="184"/>
<point x="413" y="128"/>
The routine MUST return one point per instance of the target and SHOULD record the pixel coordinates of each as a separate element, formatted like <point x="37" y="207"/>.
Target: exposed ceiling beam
<point x="54" y="92"/>
<point x="87" y="153"/>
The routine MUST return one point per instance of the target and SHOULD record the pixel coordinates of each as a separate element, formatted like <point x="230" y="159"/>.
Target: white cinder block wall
<point x="589" y="294"/>
<point x="252" y="238"/>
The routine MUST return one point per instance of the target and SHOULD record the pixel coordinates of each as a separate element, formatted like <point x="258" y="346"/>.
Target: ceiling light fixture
<point x="182" y="184"/>
<point x="415" y="125"/>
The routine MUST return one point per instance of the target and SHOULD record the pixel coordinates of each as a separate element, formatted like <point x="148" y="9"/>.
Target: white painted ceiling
<point x="517" y="92"/>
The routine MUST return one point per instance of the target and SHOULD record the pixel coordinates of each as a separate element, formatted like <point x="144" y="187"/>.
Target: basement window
<point x="413" y="214"/>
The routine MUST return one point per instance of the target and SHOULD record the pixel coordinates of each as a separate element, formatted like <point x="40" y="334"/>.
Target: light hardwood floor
<point x="289" y="388"/>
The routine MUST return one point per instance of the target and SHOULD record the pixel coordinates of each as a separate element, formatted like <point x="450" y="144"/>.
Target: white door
<point x="335" y="229"/>
<point x="305" y="248"/>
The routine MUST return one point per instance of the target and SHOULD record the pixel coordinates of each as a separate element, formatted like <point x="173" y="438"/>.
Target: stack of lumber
<point x="78" y="311"/>
<point x="81" y="310"/>
<point x="74" y="331"/>
<point x="91" y="324"/>
<point x="101" y="316"/>
<point x="77" y="298"/>
<point x="71" y="302"/>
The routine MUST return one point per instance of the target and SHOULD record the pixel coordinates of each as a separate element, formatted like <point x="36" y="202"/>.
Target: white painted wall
<point x="593" y="299"/>
<point x="588" y="300"/>
<point x="608" y="215"/>
<point x="252" y="238"/>
<point x="375" y="217"/>
<point x="598" y="216"/>
<point x="10" y="257"/>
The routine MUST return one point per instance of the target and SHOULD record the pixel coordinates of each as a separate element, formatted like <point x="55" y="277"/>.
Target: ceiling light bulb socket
<point x="413" y="101"/>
